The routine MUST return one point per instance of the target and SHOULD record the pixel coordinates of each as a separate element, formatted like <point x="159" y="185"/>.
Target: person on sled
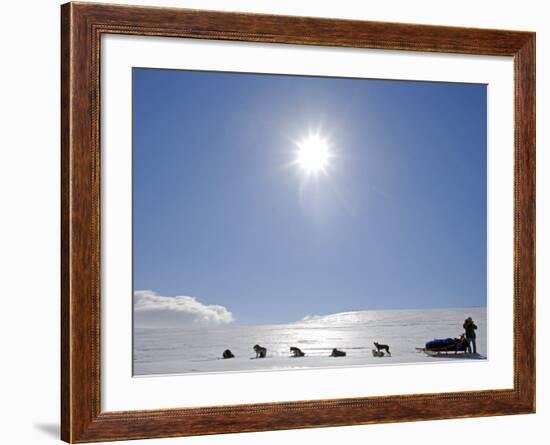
<point x="470" y="331"/>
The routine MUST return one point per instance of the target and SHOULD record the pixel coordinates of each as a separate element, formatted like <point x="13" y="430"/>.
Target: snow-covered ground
<point x="184" y="350"/>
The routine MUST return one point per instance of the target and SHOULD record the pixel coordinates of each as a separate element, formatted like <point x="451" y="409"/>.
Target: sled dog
<point x="296" y="352"/>
<point x="227" y="354"/>
<point x="260" y="351"/>
<point x="380" y="347"/>
<point x="337" y="353"/>
<point x="377" y="353"/>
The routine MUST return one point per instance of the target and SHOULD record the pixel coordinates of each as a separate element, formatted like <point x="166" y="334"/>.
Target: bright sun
<point x="313" y="154"/>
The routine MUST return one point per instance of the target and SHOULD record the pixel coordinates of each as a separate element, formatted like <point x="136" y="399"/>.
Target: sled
<point x="447" y="347"/>
<point x="447" y="353"/>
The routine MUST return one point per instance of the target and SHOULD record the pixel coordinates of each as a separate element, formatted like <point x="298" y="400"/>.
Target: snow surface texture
<point x="199" y="349"/>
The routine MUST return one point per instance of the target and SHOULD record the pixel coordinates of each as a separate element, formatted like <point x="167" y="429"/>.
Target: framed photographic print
<point x="274" y="222"/>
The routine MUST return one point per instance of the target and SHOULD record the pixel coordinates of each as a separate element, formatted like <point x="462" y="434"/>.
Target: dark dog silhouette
<point x="337" y="353"/>
<point x="227" y="354"/>
<point x="380" y="347"/>
<point x="260" y="351"/>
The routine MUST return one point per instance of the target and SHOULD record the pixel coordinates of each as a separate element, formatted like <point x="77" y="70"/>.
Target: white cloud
<point x="152" y="310"/>
<point x="311" y="317"/>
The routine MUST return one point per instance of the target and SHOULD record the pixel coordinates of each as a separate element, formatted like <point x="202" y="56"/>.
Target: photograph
<point x="286" y="222"/>
<point x="287" y="219"/>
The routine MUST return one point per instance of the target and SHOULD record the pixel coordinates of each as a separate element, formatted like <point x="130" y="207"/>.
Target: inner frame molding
<point x="81" y="28"/>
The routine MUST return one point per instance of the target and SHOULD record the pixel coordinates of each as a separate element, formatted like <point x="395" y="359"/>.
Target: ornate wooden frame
<point x="82" y="25"/>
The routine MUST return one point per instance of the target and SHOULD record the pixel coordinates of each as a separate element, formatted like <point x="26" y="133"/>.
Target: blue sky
<point x="221" y="213"/>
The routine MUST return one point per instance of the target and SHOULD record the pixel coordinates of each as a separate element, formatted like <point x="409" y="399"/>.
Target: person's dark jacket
<point x="470" y="329"/>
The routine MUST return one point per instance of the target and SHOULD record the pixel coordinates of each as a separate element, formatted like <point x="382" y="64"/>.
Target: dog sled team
<point x="464" y="344"/>
<point x="261" y="352"/>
